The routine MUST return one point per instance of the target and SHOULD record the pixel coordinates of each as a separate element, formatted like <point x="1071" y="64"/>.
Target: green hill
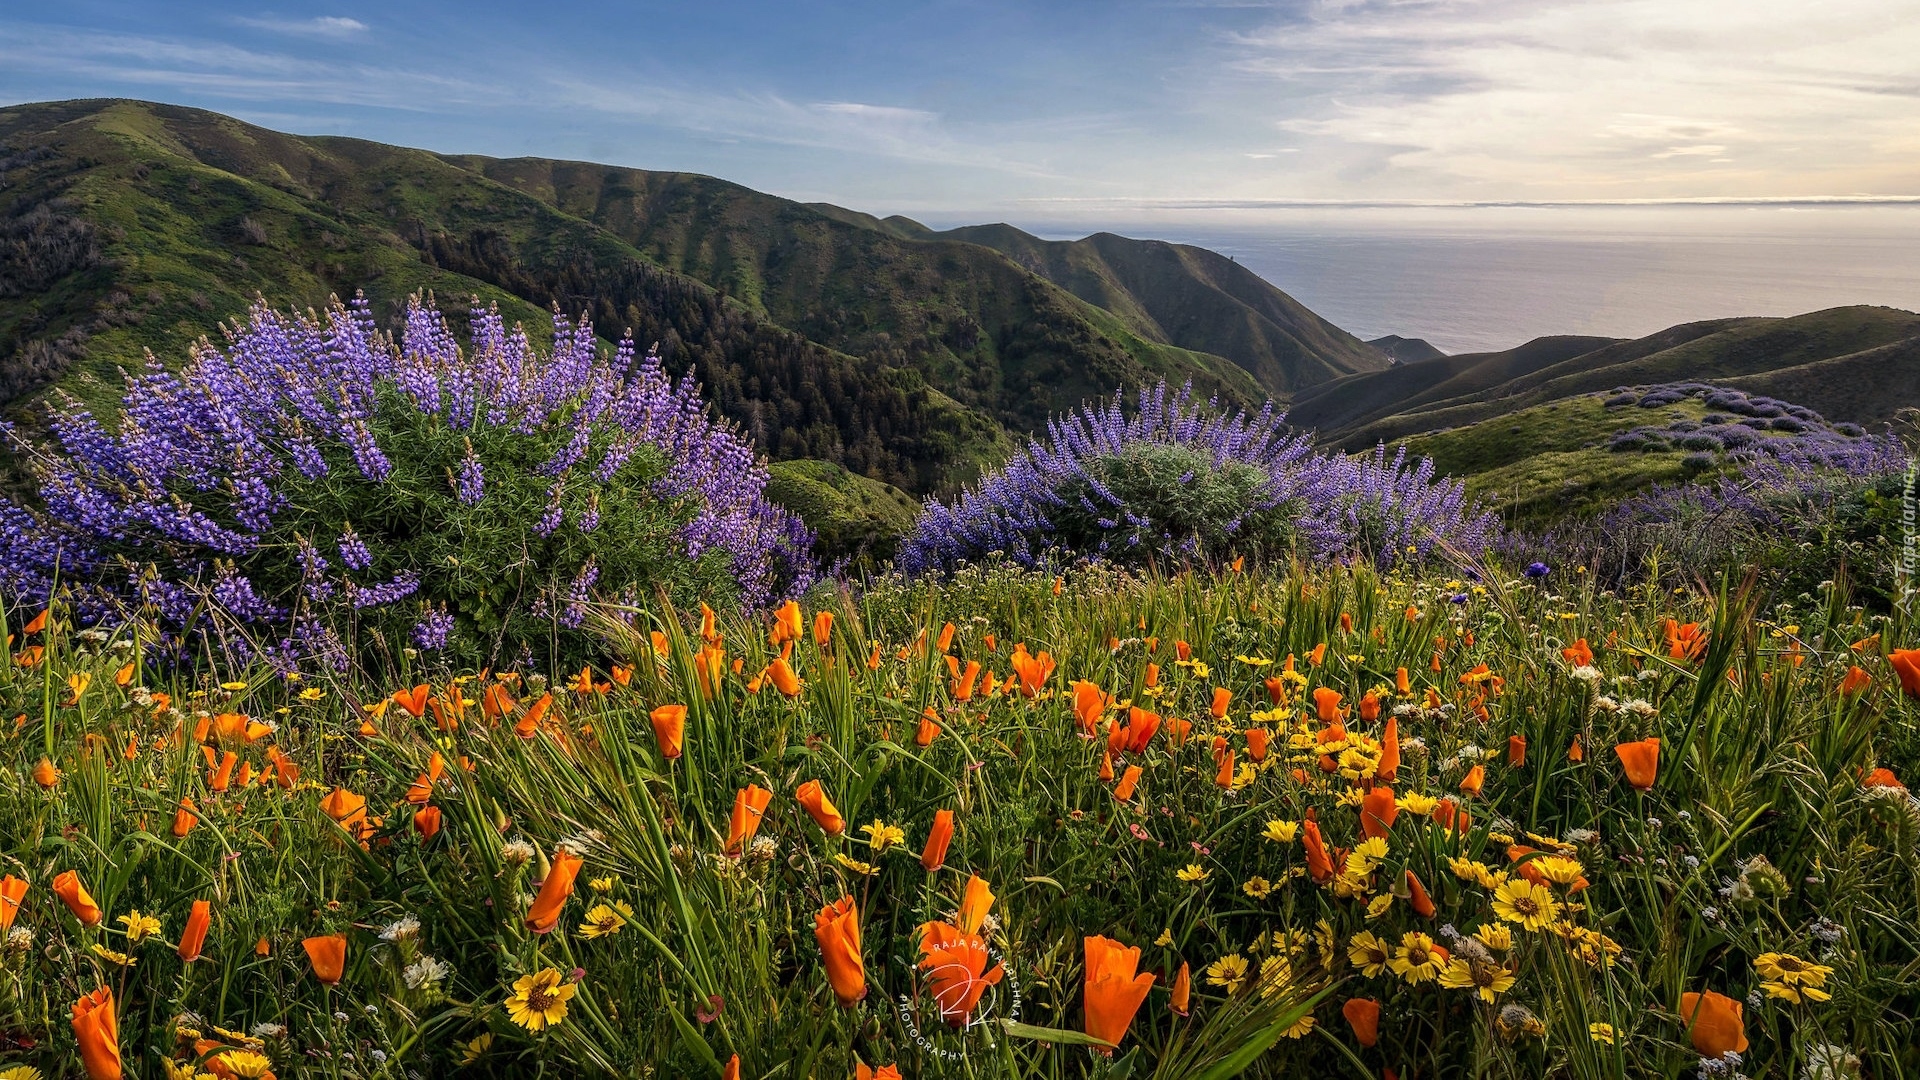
<point x="1529" y="428"/>
<point x="1855" y="364"/>
<point x="904" y="356"/>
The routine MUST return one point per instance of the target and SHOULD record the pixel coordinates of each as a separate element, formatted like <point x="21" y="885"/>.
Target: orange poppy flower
<point x="822" y="628"/>
<point x="66" y="886"/>
<point x="1516" y="750"/>
<point x="749" y="806"/>
<point x="1221" y="697"/>
<point x="946" y="638"/>
<point x="1319" y="863"/>
<point x="1113" y="992"/>
<point x="36" y="624"/>
<point x="1257" y="743"/>
<point x="1326" y="703"/>
<point x="934" y="855"/>
<point x="1475" y="779"/>
<point x="1883" y="778"/>
<point x="1363" y="1016"/>
<point x="495" y="703"/>
<point x="812" y="798"/>
<point x="97" y="1030"/>
<point x="1377" y="811"/>
<point x="194" y="937"/>
<point x="426" y="822"/>
<point x="962" y="685"/>
<point x="1685" y="642"/>
<point x="1318" y="654"/>
<point x="328" y="955"/>
<point x="731" y="1070"/>
<point x="1641" y="760"/>
<point x="1223" y="777"/>
<point x="1389" y="766"/>
<point x="185" y="818"/>
<point x="544" y="915"/>
<point x="345" y="807"/>
<point x="1182" y="991"/>
<point x="414" y="701"/>
<point x="422" y="787"/>
<point x="286" y="772"/>
<point x="1579" y="654"/>
<point x="1906" y="664"/>
<point x="1856" y="680"/>
<point x="1715" y="1023"/>
<point x="1182" y="650"/>
<point x="928" y="731"/>
<point x="956" y="965"/>
<point x="975" y="901"/>
<point x="784" y="680"/>
<point x="1417" y="896"/>
<point x="670" y="728"/>
<point x="46" y="775"/>
<point x="221" y="778"/>
<point x="1129" y="780"/>
<point x="1089" y="704"/>
<point x="786" y="623"/>
<point x="861" y="1070"/>
<point x="12" y="891"/>
<point x="837" y="929"/>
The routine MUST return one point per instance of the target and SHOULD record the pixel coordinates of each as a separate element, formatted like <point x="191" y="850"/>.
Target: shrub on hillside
<point x="1176" y="480"/>
<point x="318" y="486"/>
<point x="1794" y="514"/>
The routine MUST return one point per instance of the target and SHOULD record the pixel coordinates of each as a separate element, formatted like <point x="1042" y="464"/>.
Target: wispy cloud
<point x="331" y="27"/>
<point x="1597" y="98"/>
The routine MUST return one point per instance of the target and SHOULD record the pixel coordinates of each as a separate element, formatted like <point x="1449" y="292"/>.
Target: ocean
<point x="1480" y="279"/>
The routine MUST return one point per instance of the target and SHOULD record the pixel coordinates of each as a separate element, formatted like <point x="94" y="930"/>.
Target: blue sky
<point x="1114" y="111"/>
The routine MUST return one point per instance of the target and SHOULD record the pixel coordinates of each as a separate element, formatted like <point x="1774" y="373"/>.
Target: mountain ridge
<point x="909" y="358"/>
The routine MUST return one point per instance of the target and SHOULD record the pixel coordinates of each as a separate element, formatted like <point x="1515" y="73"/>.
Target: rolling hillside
<point x="1853" y="364"/>
<point x="903" y="356"/>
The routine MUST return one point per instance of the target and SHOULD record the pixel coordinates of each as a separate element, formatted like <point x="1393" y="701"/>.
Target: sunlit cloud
<point x="334" y="27"/>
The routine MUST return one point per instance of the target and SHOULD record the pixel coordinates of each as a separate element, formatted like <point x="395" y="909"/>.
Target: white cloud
<point x="1599" y="98"/>
<point x="335" y="27"/>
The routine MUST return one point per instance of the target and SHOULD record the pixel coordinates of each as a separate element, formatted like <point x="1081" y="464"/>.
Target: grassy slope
<point x="1193" y="297"/>
<point x="200" y="212"/>
<point x="975" y="323"/>
<point x="1883" y="342"/>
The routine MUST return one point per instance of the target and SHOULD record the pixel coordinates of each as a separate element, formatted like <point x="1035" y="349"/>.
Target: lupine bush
<point x="1320" y="822"/>
<point x="316" y="482"/>
<point x="1176" y="480"/>
<point x="1738" y="426"/>
<point x="1795" y="513"/>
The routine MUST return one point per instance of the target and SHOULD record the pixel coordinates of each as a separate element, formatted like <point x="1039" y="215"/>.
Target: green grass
<point x="1756" y="837"/>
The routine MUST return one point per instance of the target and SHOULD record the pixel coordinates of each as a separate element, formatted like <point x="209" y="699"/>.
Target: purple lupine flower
<point x="432" y="631"/>
<point x="471" y="485"/>
<point x="353" y="551"/>
<point x="1340" y="505"/>
<point x="573" y="612"/>
<point x="195" y="473"/>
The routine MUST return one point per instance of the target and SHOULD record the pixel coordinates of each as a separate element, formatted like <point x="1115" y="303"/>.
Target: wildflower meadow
<point x="1372" y="799"/>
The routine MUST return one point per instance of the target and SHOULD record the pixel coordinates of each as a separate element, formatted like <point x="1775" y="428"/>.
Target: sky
<point x="1067" y="109"/>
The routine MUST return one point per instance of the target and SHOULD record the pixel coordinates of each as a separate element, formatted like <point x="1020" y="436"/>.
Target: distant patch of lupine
<point x="1737" y="424"/>
<point x="1178" y="480"/>
<point x="1793" y="512"/>
<point x="316" y="479"/>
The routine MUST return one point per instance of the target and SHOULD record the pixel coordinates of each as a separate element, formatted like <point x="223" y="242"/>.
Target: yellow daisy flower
<point x="1282" y="832"/>
<point x="1521" y="901"/>
<point x="1487" y="978"/>
<point x="1417" y="959"/>
<point x="1257" y="887"/>
<point x="138" y="926"/>
<point x="604" y="920"/>
<point x="1228" y="972"/>
<point x="1601" y="1033"/>
<point x="1369" y="954"/>
<point x="1193" y="873"/>
<point x="539" y="1000"/>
